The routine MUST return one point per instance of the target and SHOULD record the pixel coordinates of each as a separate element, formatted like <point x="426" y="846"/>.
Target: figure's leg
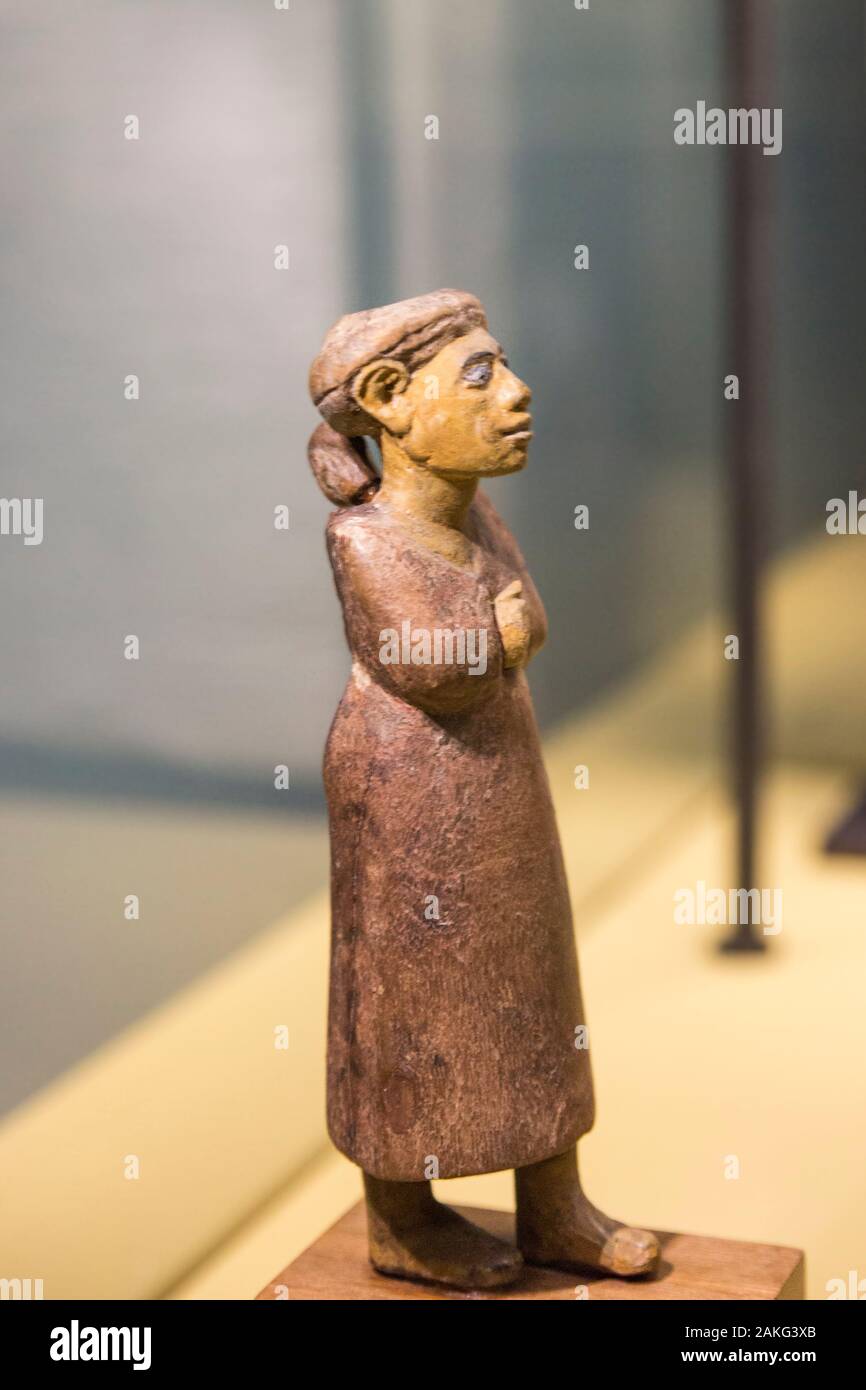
<point x="558" y="1225"/>
<point x="413" y="1236"/>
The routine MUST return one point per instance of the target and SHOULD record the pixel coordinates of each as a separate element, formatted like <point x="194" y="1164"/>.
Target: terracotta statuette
<point x="455" y="1016"/>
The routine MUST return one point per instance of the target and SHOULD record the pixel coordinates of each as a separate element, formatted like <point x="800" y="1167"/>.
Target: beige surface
<point x="218" y="1117"/>
<point x="208" y="880"/>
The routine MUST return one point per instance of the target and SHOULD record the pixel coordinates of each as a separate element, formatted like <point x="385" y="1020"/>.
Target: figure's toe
<point x="630" y="1251"/>
<point x="503" y="1269"/>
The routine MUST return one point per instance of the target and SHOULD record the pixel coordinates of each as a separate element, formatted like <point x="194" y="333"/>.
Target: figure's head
<point x="427" y="374"/>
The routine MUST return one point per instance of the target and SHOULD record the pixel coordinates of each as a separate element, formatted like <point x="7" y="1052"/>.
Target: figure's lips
<point x="521" y="429"/>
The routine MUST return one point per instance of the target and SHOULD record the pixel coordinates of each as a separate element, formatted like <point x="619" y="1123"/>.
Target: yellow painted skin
<point x="461" y="418"/>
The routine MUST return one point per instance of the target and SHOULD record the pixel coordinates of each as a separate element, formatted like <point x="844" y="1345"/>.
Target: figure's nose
<point x="515" y="394"/>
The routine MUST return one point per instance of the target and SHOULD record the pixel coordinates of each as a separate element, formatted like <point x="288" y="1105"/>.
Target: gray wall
<point x="307" y="127"/>
<point x="156" y="257"/>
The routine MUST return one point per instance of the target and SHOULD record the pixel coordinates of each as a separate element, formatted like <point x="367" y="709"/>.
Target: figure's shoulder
<point x="359" y="533"/>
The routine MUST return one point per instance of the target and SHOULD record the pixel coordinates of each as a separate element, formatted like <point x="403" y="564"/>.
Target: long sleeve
<point x="421" y="627"/>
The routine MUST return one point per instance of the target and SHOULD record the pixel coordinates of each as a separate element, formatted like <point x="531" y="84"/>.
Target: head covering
<point x="411" y="331"/>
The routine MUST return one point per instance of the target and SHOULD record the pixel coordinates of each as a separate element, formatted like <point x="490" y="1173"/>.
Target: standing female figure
<point x="455" y="1021"/>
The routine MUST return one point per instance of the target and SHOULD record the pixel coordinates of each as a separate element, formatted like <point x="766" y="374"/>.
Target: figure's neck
<point x="415" y="492"/>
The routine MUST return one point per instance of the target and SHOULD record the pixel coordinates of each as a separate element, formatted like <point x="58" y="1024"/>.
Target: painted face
<point x="469" y="411"/>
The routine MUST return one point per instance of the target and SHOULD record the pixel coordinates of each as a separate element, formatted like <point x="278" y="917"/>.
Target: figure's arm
<point x="423" y="629"/>
<point x="515" y="624"/>
<point x="519" y="610"/>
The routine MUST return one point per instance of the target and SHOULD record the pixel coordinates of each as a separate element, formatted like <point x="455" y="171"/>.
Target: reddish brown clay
<point x="456" y="1023"/>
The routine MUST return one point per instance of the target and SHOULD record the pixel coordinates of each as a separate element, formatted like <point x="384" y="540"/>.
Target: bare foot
<point x="558" y="1225"/>
<point x="412" y="1236"/>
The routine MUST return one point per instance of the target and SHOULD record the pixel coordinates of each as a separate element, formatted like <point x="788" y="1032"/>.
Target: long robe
<point x="455" y="1040"/>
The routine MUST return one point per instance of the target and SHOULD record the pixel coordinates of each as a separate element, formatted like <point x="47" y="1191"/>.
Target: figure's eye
<point x="478" y="373"/>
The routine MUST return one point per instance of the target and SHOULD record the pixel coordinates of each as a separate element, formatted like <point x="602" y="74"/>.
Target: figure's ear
<point x="380" y="390"/>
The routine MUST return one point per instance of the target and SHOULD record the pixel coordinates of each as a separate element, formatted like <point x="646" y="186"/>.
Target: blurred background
<point x="306" y="128"/>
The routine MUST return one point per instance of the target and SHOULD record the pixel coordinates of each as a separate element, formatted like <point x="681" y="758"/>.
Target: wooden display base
<point x="336" y="1268"/>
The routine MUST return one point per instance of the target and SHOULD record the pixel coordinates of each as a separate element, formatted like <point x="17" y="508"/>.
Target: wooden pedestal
<point x="336" y="1267"/>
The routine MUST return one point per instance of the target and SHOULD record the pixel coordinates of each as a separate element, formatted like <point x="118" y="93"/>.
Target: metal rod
<point x="748" y="295"/>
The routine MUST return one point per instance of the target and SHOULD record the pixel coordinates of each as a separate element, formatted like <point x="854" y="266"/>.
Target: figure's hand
<point x="512" y="619"/>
